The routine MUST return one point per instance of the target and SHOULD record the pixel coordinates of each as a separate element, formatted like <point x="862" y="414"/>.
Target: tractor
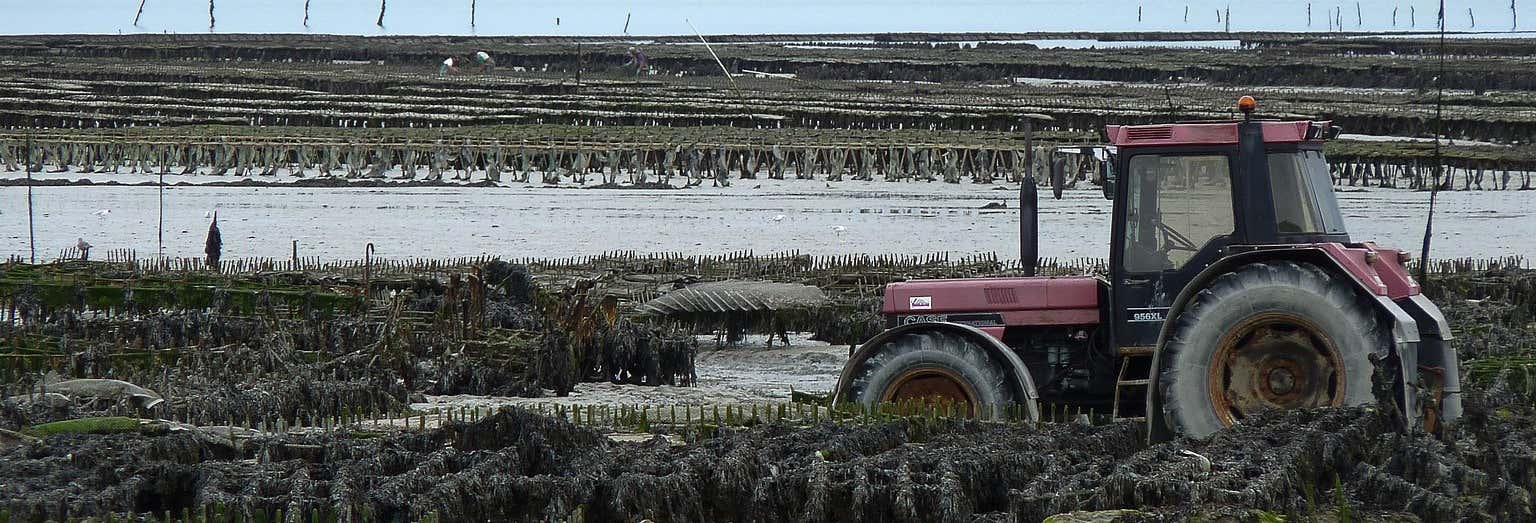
<point x="1232" y="289"/>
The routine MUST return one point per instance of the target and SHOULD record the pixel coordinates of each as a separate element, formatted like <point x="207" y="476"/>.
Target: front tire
<point x="1273" y="335"/>
<point x="931" y="366"/>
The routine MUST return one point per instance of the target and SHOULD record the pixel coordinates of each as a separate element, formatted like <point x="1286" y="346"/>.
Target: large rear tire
<point x="932" y="366"/>
<point x="1273" y="335"/>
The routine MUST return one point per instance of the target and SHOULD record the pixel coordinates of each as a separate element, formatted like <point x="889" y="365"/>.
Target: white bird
<point x="778" y="218"/>
<point x="839" y="229"/>
<point x="103" y="212"/>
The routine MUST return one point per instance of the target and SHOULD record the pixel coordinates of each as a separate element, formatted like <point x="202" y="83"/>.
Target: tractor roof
<point x="1210" y="133"/>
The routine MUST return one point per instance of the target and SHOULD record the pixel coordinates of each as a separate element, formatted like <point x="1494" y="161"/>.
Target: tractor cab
<point x="1186" y="194"/>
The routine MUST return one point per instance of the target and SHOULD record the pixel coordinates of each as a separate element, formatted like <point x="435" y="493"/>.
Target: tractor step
<point x="1128" y="377"/>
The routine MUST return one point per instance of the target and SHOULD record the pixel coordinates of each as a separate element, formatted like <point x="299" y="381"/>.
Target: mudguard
<point x="1405" y="331"/>
<point x="1436" y="353"/>
<point x="1000" y="353"/>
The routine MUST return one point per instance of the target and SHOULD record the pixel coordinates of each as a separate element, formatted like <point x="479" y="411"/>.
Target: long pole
<point x="160" y="229"/>
<point x="717" y="57"/>
<point x="1429" y="222"/>
<point x="31" y="231"/>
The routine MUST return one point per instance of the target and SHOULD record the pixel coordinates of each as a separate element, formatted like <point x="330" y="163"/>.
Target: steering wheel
<point x="1175" y="240"/>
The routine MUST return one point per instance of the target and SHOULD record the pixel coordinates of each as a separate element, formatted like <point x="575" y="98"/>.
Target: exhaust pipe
<point x="1029" y="225"/>
<point x="1029" y="207"/>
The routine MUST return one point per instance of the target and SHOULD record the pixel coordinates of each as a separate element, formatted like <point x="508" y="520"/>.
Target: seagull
<point x="103" y="212"/>
<point x="839" y="229"/>
<point x="82" y="245"/>
<point x="778" y="218"/>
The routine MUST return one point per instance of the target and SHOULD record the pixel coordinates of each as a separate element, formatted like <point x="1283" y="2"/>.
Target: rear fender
<point x="1002" y="354"/>
<point x="1436" y="353"/>
<point x="1404" y="329"/>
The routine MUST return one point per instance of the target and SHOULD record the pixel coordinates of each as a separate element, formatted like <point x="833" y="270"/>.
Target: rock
<point x="628" y="437"/>
<point x="52" y="400"/>
<point x="1097" y="516"/>
<point x="106" y="389"/>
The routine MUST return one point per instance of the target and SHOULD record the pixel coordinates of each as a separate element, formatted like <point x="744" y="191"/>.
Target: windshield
<point x="1303" y="194"/>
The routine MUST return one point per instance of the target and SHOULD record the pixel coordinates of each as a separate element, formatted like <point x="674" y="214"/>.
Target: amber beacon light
<point x="1247" y="104"/>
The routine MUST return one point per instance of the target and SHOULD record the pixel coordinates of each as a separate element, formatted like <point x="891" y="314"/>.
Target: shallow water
<point x="743" y="374"/>
<point x="528" y="220"/>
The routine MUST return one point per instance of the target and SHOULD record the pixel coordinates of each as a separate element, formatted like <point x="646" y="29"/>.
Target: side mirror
<point x="1109" y="178"/>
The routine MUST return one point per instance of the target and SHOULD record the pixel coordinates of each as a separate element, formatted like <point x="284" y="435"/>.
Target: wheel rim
<point x="931" y="385"/>
<point x="1274" y="361"/>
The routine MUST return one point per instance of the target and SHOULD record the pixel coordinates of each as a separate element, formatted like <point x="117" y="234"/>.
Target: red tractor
<point x="1232" y="288"/>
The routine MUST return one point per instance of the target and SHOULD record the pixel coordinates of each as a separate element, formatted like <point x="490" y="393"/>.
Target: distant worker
<point x="450" y="65"/>
<point x="484" y="60"/>
<point x="214" y="245"/>
<point x="637" y="60"/>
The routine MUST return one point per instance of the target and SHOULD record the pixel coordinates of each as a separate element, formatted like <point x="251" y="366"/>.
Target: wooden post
<point x="160" y="224"/>
<point x="27" y="157"/>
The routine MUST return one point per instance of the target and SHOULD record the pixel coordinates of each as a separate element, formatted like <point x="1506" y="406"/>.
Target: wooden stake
<point x="27" y="156"/>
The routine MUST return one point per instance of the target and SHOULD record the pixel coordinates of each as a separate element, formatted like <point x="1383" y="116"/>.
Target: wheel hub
<point x="931" y="385"/>
<point x="1281" y="381"/>
<point x="1274" y="361"/>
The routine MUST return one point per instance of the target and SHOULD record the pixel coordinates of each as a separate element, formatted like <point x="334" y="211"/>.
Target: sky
<point x="672" y="17"/>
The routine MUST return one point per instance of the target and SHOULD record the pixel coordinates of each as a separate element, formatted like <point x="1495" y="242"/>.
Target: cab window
<point x="1175" y="204"/>
<point x="1303" y="194"/>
